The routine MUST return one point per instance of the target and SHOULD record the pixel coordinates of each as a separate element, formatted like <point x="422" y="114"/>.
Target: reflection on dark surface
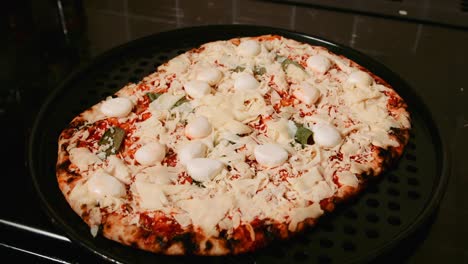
<point x="47" y="40"/>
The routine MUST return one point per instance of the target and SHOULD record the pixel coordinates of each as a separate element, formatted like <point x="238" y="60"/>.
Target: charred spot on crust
<point x="65" y="167"/>
<point x="161" y="241"/>
<point x="232" y="244"/>
<point x="76" y="124"/>
<point x="400" y="134"/>
<point x="208" y="245"/>
<point x="187" y="241"/>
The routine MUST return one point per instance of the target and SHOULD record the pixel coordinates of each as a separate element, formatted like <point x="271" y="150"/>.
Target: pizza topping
<point x="197" y="89"/>
<point x="103" y="185"/>
<point x="306" y="93"/>
<point x="151" y="195"/>
<point x="210" y="75"/>
<point x="195" y="149"/>
<point x="165" y="102"/>
<point x="118" y="169"/>
<point x="117" y="107"/>
<point x="111" y="141"/>
<point x="326" y="135"/>
<point x="152" y="96"/>
<point x="150" y="153"/>
<point x="360" y="78"/>
<point x="270" y="155"/>
<point x="318" y="63"/>
<point x="203" y="169"/>
<point x="301" y="213"/>
<point x="249" y="48"/>
<point x="303" y="135"/>
<point x="83" y="158"/>
<point x="199" y="127"/>
<point x="348" y="178"/>
<point x="245" y="81"/>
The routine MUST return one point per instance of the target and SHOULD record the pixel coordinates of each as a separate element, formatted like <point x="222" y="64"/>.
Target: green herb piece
<point x="180" y="102"/>
<point x="112" y="140"/>
<point x="153" y="96"/>
<point x="259" y="70"/>
<point x="304" y="136"/>
<point x="197" y="183"/>
<point x="286" y="62"/>
<point x="239" y="69"/>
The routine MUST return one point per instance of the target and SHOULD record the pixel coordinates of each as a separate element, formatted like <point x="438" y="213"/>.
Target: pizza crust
<point x="170" y="228"/>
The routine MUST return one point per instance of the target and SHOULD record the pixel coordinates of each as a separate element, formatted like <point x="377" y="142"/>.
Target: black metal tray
<point x="389" y="211"/>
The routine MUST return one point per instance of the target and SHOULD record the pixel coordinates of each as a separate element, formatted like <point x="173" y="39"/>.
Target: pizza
<point x="230" y="146"/>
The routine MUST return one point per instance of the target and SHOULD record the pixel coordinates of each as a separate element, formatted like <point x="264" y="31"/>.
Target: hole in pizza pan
<point x="327" y="227"/>
<point x="350" y="214"/>
<point x="412" y="169"/>
<point x="326" y="243"/>
<point x="393" y="192"/>
<point x="393" y="206"/>
<point x="394" y="220"/>
<point x="117" y="77"/>
<point x="372" y="233"/>
<point x="300" y="256"/>
<point x="413" y="195"/>
<point x="303" y="239"/>
<point x="393" y="178"/>
<point x="410" y="157"/>
<point x="413" y="181"/>
<point x="124" y="69"/>
<point x="348" y="246"/>
<point x="324" y="259"/>
<point x="372" y="203"/>
<point x="349" y="230"/>
<point x="143" y="63"/>
<point x="373" y="218"/>
<point x="112" y="86"/>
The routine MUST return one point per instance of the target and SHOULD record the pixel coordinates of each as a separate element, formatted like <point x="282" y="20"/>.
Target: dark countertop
<point x="432" y="59"/>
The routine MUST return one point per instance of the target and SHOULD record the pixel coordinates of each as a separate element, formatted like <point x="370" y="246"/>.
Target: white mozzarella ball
<point x="270" y="155"/>
<point x="318" y="63"/>
<point x="197" y="89"/>
<point x="360" y="78"/>
<point x="245" y="81"/>
<point x="102" y="185"/>
<point x="210" y="75"/>
<point x="199" y="127"/>
<point x="249" y="48"/>
<point x="150" y="153"/>
<point x="192" y="150"/>
<point x="116" y="107"/>
<point x="326" y="135"/>
<point x="306" y="93"/>
<point x="203" y="169"/>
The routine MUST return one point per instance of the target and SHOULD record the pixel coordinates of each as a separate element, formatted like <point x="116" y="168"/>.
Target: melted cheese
<point x="83" y="158"/>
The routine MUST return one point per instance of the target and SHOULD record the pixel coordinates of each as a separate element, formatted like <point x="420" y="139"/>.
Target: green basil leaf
<point x="259" y="70"/>
<point x="238" y="69"/>
<point x="112" y="140"/>
<point x="153" y="96"/>
<point x="285" y="64"/>
<point x="304" y="136"/>
<point x="180" y="102"/>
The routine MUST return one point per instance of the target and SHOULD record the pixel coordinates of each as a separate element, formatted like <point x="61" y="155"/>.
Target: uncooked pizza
<point x="230" y="146"/>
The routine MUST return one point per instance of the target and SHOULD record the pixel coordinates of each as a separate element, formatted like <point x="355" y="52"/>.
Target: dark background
<point x="44" y="41"/>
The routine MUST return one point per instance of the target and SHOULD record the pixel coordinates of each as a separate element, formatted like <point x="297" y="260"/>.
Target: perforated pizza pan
<point x="380" y="219"/>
